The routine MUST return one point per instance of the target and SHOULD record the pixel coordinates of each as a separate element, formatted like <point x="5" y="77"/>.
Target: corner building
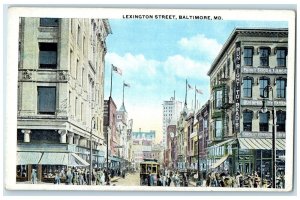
<point x="240" y="136"/>
<point x="60" y="94"/>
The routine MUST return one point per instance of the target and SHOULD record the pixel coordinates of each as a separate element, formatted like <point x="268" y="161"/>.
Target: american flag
<point x="189" y="86"/>
<point x="116" y="69"/>
<point x="199" y="91"/>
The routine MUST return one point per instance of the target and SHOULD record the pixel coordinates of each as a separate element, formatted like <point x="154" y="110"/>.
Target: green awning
<point x="219" y="162"/>
<point x="50" y="158"/>
<point x="28" y="158"/>
<point x="261" y="144"/>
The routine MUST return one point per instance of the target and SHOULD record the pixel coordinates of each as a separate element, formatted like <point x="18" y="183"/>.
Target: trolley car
<point x="149" y="169"/>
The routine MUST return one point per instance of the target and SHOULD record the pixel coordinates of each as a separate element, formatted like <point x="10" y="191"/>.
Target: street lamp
<point x="264" y="110"/>
<point x="91" y="150"/>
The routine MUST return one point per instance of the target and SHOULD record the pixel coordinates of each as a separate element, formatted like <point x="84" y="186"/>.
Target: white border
<point x="12" y="76"/>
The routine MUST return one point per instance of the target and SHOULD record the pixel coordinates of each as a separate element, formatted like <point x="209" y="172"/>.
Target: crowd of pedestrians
<point x="81" y="176"/>
<point x="224" y="179"/>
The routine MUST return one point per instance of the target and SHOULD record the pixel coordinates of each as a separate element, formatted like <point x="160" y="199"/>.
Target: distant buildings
<point x="143" y="147"/>
<point x="60" y="91"/>
<point x="171" y="113"/>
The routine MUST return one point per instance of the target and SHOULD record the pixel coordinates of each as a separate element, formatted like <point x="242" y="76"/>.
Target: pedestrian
<point x="33" y="177"/>
<point x="69" y="177"/>
<point x="81" y="179"/>
<point x="57" y="179"/>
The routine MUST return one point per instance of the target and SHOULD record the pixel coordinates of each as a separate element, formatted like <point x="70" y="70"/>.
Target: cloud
<point x="184" y="67"/>
<point x="205" y="47"/>
<point x="131" y="64"/>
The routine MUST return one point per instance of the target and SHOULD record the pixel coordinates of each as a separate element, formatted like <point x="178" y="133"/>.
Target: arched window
<point x="248" y="56"/>
<point x="264" y="121"/>
<point x="281" y="87"/>
<point x="247" y="87"/>
<point x="281" y="116"/>
<point x="263" y="82"/>
<point x="247" y="120"/>
<point x="264" y="53"/>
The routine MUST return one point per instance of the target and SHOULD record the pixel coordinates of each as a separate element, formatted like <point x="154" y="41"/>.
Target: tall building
<point x="171" y="113"/>
<point x="60" y="93"/>
<point x="240" y="133"/>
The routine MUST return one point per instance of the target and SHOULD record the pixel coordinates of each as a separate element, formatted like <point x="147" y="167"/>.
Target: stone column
<point x="76" y="139"/>
<point x="83" y="142"/>
<point x="70" y="138"/>
<point x="63" y="136"/>
<point x="26" y="135"/>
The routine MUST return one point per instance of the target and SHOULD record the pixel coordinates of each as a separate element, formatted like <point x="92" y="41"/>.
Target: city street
<point x="130" y="180"/>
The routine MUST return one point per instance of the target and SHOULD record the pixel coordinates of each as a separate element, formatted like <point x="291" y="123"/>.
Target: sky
<point x="157" y="56"/>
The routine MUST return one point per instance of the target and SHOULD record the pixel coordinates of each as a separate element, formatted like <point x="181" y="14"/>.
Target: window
<point x="247" y="87"/>
<point x="49" y="22"/>
<point x="46" y="100"/>
<point x="263" y="82"/>
<point x="281" y="87"/>
<point x="263" y="121"/>
<point x="218" y="99"/>
<point x="247" y="120"/>
<point x="48" y="55"/>
<point x="280" y="115"/>
<point x="281" y="57"/>
<point x="78" y="35"/>
<point x="218" y="126"/>
<point x="248" y="56"/>
<point x="264" y="56"/>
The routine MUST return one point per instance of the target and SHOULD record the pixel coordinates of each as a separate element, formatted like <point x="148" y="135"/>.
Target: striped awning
<point x="219" y="162"/>
<point x="51" y="158"/>
<point x="223" y="143"/>
<point x="77" y="161"/>
<point x="28" y="158"/>
<point x="263" y="144"/>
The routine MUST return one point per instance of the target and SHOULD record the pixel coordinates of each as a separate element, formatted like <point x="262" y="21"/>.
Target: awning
<point x="262" y="144"/>
<point x="28" y="158"/>
<point x="54" y="159"/>
<point x="222" y="143"/>
<point x="77" y="161"/>
<point x="219" y="162"/>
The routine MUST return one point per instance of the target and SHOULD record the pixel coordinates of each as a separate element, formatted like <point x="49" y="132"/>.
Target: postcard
<point x="149" y="99"/>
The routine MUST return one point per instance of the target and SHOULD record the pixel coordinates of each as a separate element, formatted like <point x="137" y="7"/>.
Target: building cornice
<point x="248" y="32"/>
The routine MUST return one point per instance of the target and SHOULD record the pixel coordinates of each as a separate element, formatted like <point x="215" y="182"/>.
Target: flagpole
<point x="195" y="98"/>
<point x="123" y="92"/>
<point x="185" y="92"/>
<point x="111" y="80"/>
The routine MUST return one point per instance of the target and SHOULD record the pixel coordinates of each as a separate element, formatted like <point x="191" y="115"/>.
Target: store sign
<point x="237" y="85"/>
<point x="263" y="70"/>
<point x="245" y="102"/>
<point x="262" y="135"/>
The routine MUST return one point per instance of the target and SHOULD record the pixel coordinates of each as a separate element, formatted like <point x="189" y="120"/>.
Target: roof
<point x="266" y="32"/>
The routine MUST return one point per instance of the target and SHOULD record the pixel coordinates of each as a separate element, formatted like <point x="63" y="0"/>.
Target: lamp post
<point x="91" y="151"/>
<point x="264" y="110"/>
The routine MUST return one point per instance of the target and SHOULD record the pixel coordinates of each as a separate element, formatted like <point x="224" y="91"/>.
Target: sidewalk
<point x="194" y="184"/>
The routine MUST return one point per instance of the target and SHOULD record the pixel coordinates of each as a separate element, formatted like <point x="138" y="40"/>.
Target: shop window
<point x="48" y="55"/>
<point x="46" y="100"/>
<point x="281" y="116"/>
<point x="248" y="56"/>
<point x="281" y="88"/>
<point x="263" y="121"/>
<point x="49" y="22"/>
